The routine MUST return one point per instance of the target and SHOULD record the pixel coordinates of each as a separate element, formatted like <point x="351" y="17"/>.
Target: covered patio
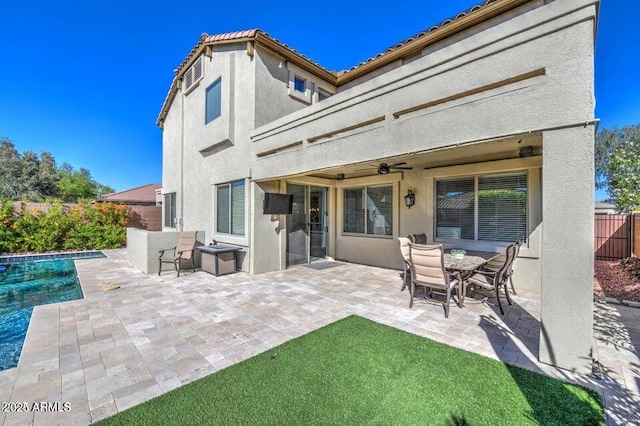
<point x="115" y="349"/>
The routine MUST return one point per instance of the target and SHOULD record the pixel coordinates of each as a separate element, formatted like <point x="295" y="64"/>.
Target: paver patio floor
<point x="115" y="349"/>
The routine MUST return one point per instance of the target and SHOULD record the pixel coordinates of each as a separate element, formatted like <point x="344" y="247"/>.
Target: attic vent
<point x="193" y="75"/>
<point x="197" y="70"/>
<point x="188" y="78"/>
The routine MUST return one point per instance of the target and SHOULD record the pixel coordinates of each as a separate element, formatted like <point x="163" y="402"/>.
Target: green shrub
<point x="82" y="227"/>
<point x="8" y="232"/>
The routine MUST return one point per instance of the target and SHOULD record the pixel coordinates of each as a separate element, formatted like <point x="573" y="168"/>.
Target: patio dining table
<point x="466" y="264"/>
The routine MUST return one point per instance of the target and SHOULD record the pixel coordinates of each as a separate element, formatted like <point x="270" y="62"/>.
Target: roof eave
<point x="296" y="58"/>
<point x="456" y="26"/>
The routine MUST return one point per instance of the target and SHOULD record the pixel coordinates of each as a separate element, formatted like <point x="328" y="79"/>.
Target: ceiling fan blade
<point x="400" y="168"/>
<point x="397" y="164"/>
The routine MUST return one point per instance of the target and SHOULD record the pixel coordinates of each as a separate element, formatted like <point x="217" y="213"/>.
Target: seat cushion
<point x="480" y="280"/>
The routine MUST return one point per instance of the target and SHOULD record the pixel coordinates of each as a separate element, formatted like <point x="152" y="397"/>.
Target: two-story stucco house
<point x="487" y="119"/>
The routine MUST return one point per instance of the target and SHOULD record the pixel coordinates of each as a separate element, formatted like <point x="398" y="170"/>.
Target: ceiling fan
<point x="385" y="168"/>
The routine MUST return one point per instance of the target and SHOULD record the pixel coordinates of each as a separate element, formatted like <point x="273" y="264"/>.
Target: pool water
<point x="23" y="286"/>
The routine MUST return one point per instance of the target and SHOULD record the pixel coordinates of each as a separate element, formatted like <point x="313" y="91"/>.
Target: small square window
<point x="299" y="84"/>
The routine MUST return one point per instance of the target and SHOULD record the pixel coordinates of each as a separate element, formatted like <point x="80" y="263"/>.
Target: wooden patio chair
<point x="406" y="262"/>
<point x="488" y="279"/>
<point x="182" y="251"/>
<point x="428" y="271"/>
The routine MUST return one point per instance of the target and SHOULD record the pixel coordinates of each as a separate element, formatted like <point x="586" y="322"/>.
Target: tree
<point x="624" y="175"/>
<point x="76" y="185"/>
<point x="10" y="170"/>
<point x="48" y="176"/>
<point x="617" y="165"/>
<point x="29" y="176"/>
<point x="37" y="177"/>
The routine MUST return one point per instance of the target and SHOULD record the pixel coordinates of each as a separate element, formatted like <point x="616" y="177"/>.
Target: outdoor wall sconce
<point x="410" y="199"/>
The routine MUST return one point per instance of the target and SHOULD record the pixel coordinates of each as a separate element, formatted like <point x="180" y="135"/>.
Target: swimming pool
<point x="24" y="285"/>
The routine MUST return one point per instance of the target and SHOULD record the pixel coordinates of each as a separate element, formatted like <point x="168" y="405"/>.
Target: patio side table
<point x="219" y="259"/>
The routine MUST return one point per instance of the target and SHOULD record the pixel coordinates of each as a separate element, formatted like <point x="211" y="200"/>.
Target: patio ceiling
<point x="468" y="153"/>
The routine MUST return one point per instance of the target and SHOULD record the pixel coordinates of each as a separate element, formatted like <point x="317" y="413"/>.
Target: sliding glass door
<point x="307" y="225"/>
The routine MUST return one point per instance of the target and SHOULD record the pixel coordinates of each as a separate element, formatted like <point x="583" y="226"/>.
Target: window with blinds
<point x="502" y="207"/>
<point x="169" y="206"/>
<point x="484" y="208"/>
<point x="230" y="208"/>
<point x="455" y="207"/>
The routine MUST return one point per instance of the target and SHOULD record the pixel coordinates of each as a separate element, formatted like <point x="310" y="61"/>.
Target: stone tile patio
<point x="117" y="348"/>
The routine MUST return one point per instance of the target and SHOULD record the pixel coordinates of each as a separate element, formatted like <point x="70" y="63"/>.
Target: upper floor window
<point x="230" y="208"/>
<point x="485" y="208"/>
<point x="193" y="74"/>
<point x="368" y="210"/>
<point x="299" y="84"/>
<point x="169" y="206"/>
<point x="323" y="94"/>
<point x="213" y="101"/>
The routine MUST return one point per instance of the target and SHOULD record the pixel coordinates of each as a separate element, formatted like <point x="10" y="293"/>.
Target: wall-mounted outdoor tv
<point x="277" y="203"/>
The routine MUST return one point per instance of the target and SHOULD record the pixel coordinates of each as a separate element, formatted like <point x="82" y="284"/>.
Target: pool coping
<point x="75" y="255"/>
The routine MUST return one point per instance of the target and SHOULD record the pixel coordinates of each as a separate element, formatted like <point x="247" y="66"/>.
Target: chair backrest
<point x="515" y="250"/>
<point x="507" y="268"/>
<point x="428" y="264"/>
<point x="404" y="248"/>
<point x="186" y="243"/>
<point x="418" y="238"/>
<point x="498" y="262"/>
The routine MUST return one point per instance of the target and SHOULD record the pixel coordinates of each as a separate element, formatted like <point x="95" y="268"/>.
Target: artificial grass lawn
<point x="356" y="371"/>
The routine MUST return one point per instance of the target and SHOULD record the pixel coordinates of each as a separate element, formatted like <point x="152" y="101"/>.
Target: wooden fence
<point x="612" y="236"/>
<point x="145" y="217"/>
<point x="635" y="238"/>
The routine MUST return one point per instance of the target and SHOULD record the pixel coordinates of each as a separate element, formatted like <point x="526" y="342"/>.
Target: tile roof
<point x="424" y="33"/>
<point x="206" y="39"/>
<point x="248" y="35"/>
<point x="145" y="193"/>
<point x="462" y="20"/>
<point x="252" y="34"/>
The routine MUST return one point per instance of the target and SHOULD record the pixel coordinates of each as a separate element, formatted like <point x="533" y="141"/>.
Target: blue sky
<point x="85" y="79"/>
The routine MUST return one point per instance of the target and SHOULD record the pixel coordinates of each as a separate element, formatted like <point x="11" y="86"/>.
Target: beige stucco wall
<point x="143" y="248"/>
<point x="556" y="37"/>
<point x="198" y="156"/>
<point x="562" y="96"/>
<point x="567" y="235"/>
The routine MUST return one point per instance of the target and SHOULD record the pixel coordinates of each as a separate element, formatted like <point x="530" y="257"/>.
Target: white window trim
<point x="393" y="211"/>
<point x="475" y="239"/>
<point x="240" y="240"/>
<point x="174" y="196"/>
<point x="217" y="80"/>
<point x="300" y="96"/>
<point x="304" y="81"/>
<point x="295" y="71"/>
<point x="533" y="165"/>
